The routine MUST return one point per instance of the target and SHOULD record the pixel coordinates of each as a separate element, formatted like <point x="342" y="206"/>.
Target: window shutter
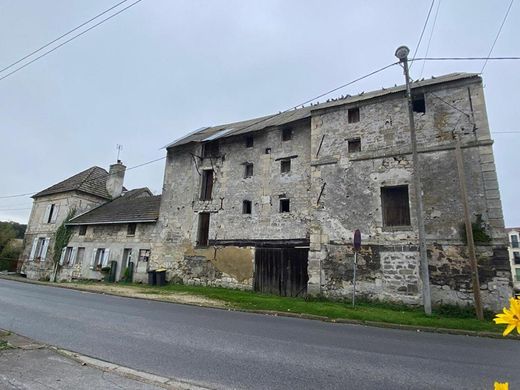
<point x="105" y="258"/>
<point x="62" y="257"/>
<point x="33" y="249"/>
<point x="47" y="212"/>
<point x="55" y="213"/>
<point x="93" y="259"/>
<point x="73" y="256"/>
<point x="45" y="247"/>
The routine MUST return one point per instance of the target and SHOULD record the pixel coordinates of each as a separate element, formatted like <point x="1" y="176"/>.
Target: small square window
<point x="285" y="166"/>
<point x="248" y="172"/>
<point x="247" y="207"/>
<point x="353" y="115"/>
<point x="354" y="145"/>
<point x="267" y="150"/>
<point x="82" y="230"/>
<point x="210" y="149"/>
<point x="286" y="134"/>
<point x="130" y="230"/>
<point x="249" y="141"/>
<point x="285" y="206"/>
<point x="418" y="103"/>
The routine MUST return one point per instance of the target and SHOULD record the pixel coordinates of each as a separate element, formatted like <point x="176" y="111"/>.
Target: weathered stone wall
<point x="37" y="227"/>
<point x="175" y="246"/>
<point x="115" y="238"/>
<point x="351" y="198"/>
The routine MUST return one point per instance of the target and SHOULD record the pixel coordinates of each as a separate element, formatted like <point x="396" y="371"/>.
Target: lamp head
<point x="402" y="52"/>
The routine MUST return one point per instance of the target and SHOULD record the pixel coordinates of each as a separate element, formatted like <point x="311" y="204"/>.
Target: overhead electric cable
<point x="68" y="40"/>
<point x="61" y="36"/>
<point x="431" y="35"/>
<point x="498" y="35"/>
<point x="465" y="58"/>
<point x="423" y="29"/>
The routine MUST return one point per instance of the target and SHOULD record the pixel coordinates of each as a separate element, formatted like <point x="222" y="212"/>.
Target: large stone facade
<point x="344" y="155"/>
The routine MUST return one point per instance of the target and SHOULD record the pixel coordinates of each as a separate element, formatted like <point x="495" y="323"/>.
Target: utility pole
<point x="402" y="54"/>
<point x="469" y="231"/>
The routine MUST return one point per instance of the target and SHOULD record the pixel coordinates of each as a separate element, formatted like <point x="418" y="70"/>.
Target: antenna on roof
<point x="119" y="148"/>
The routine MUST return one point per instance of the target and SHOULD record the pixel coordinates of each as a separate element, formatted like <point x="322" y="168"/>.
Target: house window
<point x="285" y="206"/>
<point x="249" y="141"/>
<point x="130" y="230"/>
<point x="514" y="241"/>
<point x="98" y="260"/>
<point x="80" y="256"/>
<point x="203" y="232"/>
<point x="206" y="185"/>
<point x="395" y="205"/>
<point x="51" y="213"/>
<point x="246" y="207"/>
<point x="418" y="103"/>
<point x="286" y="134"/>
<point x="39" y="253"/>
<point x="68" y="256"/>
<point x="353" y="115"/>
<point x="144" y="255"/>
<point x="267" y="150"/>
<point x="82" y="230"/>
<point x="285" y="166"/>
<point x="516" y="257"/>
<point x="517" y="271"/>
<point x="210" y="149"/>
<point x="354" y="145"/>
<point x="248" y="172"/>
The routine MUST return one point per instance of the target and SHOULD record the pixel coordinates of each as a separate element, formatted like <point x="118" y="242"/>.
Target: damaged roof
<point x="91" y="181"/>
<point x="137" y="205"/>
<point x="283" y="118"/>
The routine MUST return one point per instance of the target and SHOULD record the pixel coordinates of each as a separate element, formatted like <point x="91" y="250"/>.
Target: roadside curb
<point x="416" y="328"/>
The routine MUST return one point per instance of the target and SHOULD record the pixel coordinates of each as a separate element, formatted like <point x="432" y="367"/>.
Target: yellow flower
<point x="501" y="386"/>
<point x="510" y="316"/>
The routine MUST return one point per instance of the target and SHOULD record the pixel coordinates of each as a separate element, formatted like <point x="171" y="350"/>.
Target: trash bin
<point x="160" y="277"/>
<point x="152" y="277"/>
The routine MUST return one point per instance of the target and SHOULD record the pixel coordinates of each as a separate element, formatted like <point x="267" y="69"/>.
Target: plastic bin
<point x="160" y="277"/>
<point x="152" y="278"/>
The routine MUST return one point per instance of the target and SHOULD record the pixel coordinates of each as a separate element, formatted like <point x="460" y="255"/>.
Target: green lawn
<point x="444" y="317"/>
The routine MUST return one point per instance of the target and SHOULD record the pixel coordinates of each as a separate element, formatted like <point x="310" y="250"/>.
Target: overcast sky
<point x="165" y="67"/>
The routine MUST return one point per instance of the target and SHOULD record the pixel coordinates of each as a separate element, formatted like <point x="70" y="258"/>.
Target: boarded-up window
<point x="354" y="145"/>
<point x="418" y="103"/>
<point x="249" y="141"/>
<point x="246" y="207"/>
<point x="395" y="205"/>
<point x="80" y="256"/>
<point x="206" y="185"/>
<point x="285" y="206"/>
<point x="130" y="230"/>
<point x="285" y="166"/>
<point x="353" y="115"/>
<point x="210" y="149"/>
<point x="203" y="232"/>
<point x="248" y="171"/>
<point x="286" y="134"/>
<point x="82" y="230"/>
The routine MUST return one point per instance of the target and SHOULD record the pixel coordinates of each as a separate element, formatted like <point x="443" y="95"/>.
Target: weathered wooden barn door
<point x="281" y="271"/>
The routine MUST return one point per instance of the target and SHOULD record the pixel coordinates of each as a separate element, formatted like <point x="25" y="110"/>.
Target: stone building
<point x="77" y="194"/>
<point x="271" y="203"/>
<point x="514" y="255"/>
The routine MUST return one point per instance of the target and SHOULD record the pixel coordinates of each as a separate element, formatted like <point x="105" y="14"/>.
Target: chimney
<point x="116" y="176"/>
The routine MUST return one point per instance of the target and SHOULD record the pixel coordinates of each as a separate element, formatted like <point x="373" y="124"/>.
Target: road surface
<point x="226" y="349"/>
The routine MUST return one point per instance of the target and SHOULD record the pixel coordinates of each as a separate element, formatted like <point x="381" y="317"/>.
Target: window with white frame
<point x="39" y="249"/>
<point x="144" y="255"/>
<point x="514" y="240"/>
<point x="68" y="256"/>
<point x="51" y="213"/>
<point x="100" y="257"/>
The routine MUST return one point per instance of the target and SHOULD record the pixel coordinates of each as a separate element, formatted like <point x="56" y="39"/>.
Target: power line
<point x="61" y="36"/>
<point x="68" y="40"/>
<point x="26" y="208"/>
<point x="431" y="35"/>
<point x="498" y="34"/>
<point x="465" y="58"/>
<point x="423" y="29"/>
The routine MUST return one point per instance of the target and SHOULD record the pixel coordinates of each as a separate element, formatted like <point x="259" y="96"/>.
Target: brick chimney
<point x="115" y="179"/>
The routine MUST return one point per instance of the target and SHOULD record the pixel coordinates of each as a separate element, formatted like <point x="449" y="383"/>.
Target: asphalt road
<point x="226" y="349"/>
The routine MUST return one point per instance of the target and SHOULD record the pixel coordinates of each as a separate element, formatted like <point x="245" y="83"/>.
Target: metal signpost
<point x="357" y="247"/>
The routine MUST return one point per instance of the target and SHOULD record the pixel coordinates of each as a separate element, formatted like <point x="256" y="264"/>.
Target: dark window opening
<point x="247" y="207"/>
<point x="130" y="230"/>
<point x="418" y="103"/>
<point x="516" y="256"/>
<point x="207" y="184"/>
<point x="144" y="255"/>
<point x="248" y="171"/>
<point x="51" y="212"/>
<point x="354" y="145"/>
<point x="353" y="115"/>
<point x="285" y="166"/>
<point x="286" y="134"/>
<point x="203" y="233"/>
<point x="514" y="241"/>
<point x="82" y="230"/>
<point x="285" y="206"/>
<point x="210" y="149"/>
<point x="267" y="150"/>
<point x="396" y="206"/>
<point x="249" y="141"/>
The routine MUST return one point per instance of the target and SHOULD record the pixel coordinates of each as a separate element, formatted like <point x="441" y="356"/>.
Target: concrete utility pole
<point x="469" y="231"/>
<point x="402" y="54"/>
